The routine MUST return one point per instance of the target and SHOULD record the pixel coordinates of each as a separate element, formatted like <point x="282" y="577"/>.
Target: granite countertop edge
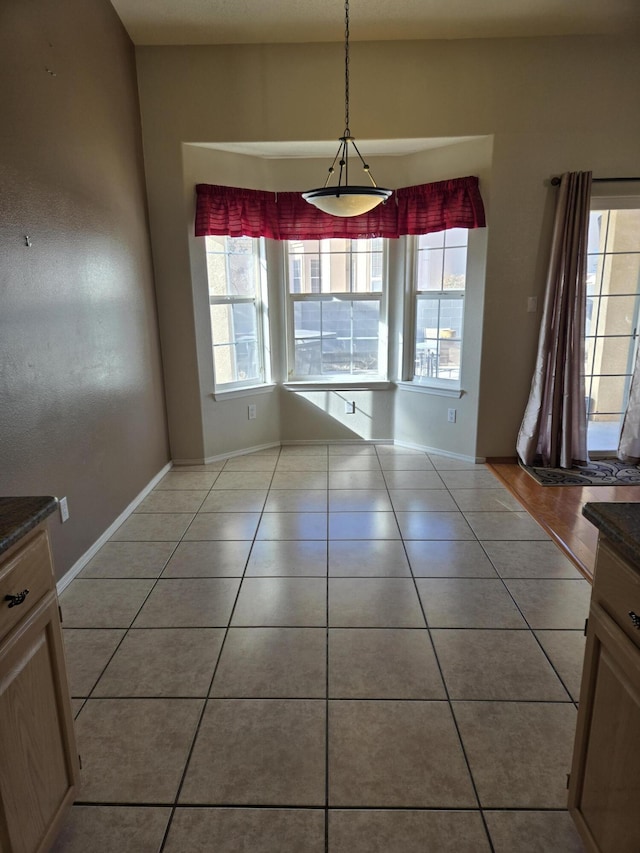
<point x="620" y="523"/>
<point x="19" y="515"/>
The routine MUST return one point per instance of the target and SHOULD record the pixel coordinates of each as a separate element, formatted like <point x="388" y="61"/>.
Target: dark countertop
<point x="20" y="515"/>
<point x="620" y="523"/>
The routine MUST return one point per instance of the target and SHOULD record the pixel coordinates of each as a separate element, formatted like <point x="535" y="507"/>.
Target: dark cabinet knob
<point x="635" y="619"/>
<point x="14" y="600"/>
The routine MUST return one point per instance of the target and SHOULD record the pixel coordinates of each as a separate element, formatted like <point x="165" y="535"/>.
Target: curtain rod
<point x="555" y="181"/>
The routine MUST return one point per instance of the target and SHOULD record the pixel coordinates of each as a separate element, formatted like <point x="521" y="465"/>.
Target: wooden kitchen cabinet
<point x="38" y="757"/>
<point x="604" y="790"/>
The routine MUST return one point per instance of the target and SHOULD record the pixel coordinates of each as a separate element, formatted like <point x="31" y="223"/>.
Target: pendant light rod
<point x="343" y="199"/>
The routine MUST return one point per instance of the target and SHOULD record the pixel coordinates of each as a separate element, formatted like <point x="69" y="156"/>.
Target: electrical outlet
<point x="349" y="407"/>
<point x="451" y="416"/>
<point x="251" y="412"/>
<point x="532" y="305"/>
<point x="64" y="510"/>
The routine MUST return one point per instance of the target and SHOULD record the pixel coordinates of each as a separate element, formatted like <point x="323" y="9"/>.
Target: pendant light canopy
<point x="344" y="199"/>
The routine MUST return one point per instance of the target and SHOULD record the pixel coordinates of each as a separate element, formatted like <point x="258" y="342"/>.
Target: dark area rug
<point x="604" y="472"/>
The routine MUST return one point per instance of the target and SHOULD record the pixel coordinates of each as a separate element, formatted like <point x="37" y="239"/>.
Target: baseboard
<point x="220" y="457"/>
<point x="476" y="460"/>
<point x="79" y="565"/>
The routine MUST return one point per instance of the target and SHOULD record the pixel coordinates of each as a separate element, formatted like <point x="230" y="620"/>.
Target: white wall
<point x="550" y="105"/>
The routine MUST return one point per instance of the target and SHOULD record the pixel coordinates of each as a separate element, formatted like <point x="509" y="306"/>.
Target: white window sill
<point x="344" y="385"/>
<point x="438" y="390"/>
<point x="249" y="391"/>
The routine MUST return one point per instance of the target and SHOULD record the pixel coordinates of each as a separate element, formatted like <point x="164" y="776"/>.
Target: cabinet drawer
<point x="29" y="568"/>
<point x="616" y="588"/>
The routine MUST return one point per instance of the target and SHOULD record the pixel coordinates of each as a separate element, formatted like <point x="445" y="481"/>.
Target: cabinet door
<point x="37" y="751"/>
<point x="604" y="795"/>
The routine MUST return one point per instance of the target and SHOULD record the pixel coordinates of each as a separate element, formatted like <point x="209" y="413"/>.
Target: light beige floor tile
<point x="310" y="449"/>
<point x="281" y="602"/>
<point x="356" y="480"/>
<point x="354" y="449"/>
<point x="87" y="652"/>
<point x="300" y="462"/>
<point x="272" y="663"/>
<point x="437" y="558"/>
<point x="486" y="500"/>
<point x="406" y="463"/>
<point x="252" y="462"/>
<point x="422" y="500"/>
<point x="188" y="480"/>
<point x="300" y="480"/>
<point x="504" y="525"/>
<point x="235" y="500"/>
<point x="293" y="525"/>
<point x="397" y="450"/>
<point x="303" y="450"/>
<point x="228" y="830"/>
<point x="392" y="753"/>
<point x="363" y="525"/>
<point x="112" y="829"/>
<point x="529" y="560"/>
<point x="476" y="478"/>
<point x="296" y="500"/>
<point x="189" y="603"/>
<point x="468" y="603"/>
<point x="446" y="463"/>
<point x="172" y="500"/>
<point x="389" y="663"/>
<point x="223" y="525"/>
<point x="253" y="480"/>
<point x="434" y="525"/>
<point x="258" y="752"/>
<point x="406" y="831"/>
<point x="359" y="500"/>
<point x="208" y="559"/>
<point x="413" y="480"/>
<point x="362" y="558"/>
<point x="287" y="558"/>
<point x="354" y="463"/>
<point x="76" y="706"/>
<point x="134" y="750"/>
<point x="496" y="665"/>
<point x="162" y="662"/>
<point x="129" y="560"/>
<point x="552" y="603"/>
<point x="153" y="527"/>
<point x="519" y="752"/>
<point x="374" y="603"/>
<point x="103" y="603"/>
<point x="566" y="652"/>
<point x="533" y="832"/>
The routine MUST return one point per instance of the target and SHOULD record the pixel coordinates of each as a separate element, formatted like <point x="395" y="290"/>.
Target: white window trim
<point x="248" y="391"/>
<point x="437" y="386"/>
<point x="338" y="381"/>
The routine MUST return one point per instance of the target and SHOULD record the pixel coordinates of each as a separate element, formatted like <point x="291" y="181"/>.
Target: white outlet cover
<point x="64" y="510"/>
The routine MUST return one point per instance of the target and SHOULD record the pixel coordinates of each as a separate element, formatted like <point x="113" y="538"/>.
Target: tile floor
<point x="343" y="648"/>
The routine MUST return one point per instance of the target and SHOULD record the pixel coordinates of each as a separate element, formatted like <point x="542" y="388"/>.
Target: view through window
<point x="613" y="304"/>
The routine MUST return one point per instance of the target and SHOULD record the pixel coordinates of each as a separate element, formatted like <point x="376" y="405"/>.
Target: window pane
<point x="613" y="355"/>
<point x="430" y="266"/>
<point x="608" y="394"/>
<point x="597" y="230"/>
<point x="455" y="269"/>
<point x="617" y="315"/>
<point x="623" y="234"/>
<point x="231" y="266"/>
<point x="336" y="337"/>
<point x="431" y="241"/>
<point x="438" y="338"/>
<point x="235" y="342"/>
<point x="336" y="266"/>
<point x="456" y="237"/>
<point x="621" y="274"/>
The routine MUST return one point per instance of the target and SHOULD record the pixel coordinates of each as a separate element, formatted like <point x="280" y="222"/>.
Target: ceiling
<point x="165" y="22"/>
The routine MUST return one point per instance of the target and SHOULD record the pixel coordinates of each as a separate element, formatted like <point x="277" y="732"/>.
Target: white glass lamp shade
<point x="346" y="201"/>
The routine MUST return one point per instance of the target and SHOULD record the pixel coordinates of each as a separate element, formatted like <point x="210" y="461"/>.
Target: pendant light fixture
<point x="343" y="199"/>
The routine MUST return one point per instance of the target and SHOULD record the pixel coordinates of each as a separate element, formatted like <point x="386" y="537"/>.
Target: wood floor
<point x="558" y="509"/>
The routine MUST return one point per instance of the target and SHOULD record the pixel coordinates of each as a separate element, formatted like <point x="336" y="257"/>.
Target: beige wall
<point x="81" y="392"/>
<point x="551" y="105"/>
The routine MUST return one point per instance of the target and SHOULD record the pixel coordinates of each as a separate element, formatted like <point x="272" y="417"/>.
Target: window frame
<point x="432" y="384"/>
<point x="333" y="380"/>
<point x="260" y="302"/>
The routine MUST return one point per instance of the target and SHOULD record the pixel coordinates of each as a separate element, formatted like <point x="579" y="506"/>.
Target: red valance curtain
<point x="421" y="209"/>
